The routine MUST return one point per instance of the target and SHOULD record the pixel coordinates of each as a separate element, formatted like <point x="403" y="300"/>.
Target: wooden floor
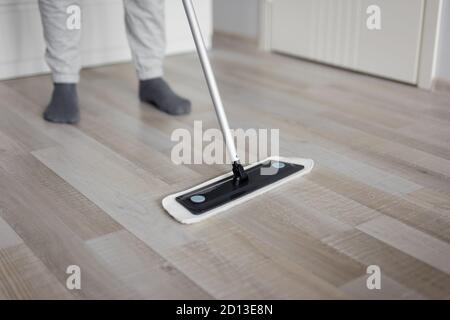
<point x="90" y="195"/>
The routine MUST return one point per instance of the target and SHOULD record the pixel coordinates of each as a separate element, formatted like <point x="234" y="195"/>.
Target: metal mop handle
<point x="210" y="79"/>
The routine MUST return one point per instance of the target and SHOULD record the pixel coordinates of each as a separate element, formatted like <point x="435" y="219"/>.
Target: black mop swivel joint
<point x="239" y="173"/>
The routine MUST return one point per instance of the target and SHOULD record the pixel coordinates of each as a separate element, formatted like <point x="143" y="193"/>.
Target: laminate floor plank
<point x="135" y="263"/>
<point x="24" y="276"/>
<point x="409" y="240"/>
<point x="417" y="276"/>
<point x="34" y="214"/>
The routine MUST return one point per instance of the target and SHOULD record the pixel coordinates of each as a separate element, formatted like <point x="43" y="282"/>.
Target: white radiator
<point x="335" y="32"/>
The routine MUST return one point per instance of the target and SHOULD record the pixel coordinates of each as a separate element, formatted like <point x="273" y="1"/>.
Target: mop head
<point x="221" y="193"/>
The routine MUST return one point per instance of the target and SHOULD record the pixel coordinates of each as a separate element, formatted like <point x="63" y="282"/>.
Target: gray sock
<point x="63" y="107"/>
<point x="158" y="93"/>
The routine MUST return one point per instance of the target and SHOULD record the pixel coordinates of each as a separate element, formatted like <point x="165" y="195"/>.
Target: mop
<point x="239" y="185"/>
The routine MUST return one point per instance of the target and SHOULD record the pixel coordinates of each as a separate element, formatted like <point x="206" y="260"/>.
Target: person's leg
<point x="145" y="22"/>
<point x="62" y="56"/>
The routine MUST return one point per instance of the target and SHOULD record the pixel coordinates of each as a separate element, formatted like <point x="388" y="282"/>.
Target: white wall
<point x="443" y="62"/>
<point x="104" y="41"/>
<point x="239" y="17"/>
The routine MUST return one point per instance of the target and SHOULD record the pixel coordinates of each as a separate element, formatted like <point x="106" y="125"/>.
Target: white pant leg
<point x="145" y="26"/>
<point x="62" y="53"/>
